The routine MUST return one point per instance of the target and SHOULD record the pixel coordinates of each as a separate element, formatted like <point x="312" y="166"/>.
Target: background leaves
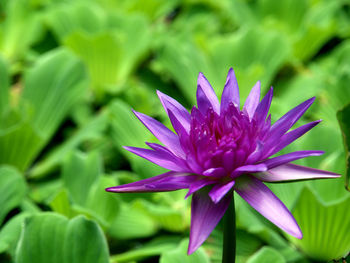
<point x="70" y="73"/>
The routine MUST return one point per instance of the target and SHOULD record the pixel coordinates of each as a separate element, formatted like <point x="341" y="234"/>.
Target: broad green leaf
<point x="86" y="189"/>
<point x="51" y="88"/>
<point x="12" y="188"/>
<point x="50" y="237"/>
<point x="103" y="205"/>
<point x="19" y="141"/>
<point x="153" y="8"/>
<point x="78" y="16"/>
<point x="131" y="222"/>
<point x="179" y="254"/>
<point x="80" y="172"/>
<point x="252" y="60"/>
<point x="45" y="191"/>
<point x="171" y="218"/>
<point x="153" y="248"/>
<point x="307" y="26"/>
<point x="267" y="255"/>
<point x="324" y="226"/>
<point x="10" y="233"/>
<point x="344" y="122"/>
<point x="62" y="205"/>
<point x="4" y="86"/>
<point x="111" y="56"/>
<point x="92" y="130"/>
<point x="20" y="29"/>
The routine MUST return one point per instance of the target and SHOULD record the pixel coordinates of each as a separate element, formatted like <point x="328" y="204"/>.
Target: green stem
<point x="229" y="247"/>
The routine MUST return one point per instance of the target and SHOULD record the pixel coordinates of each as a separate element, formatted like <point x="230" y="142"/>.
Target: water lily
<point x="219" y="148"/>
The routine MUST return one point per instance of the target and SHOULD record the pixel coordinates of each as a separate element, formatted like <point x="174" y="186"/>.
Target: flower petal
<point x="231" y="92"/>
<point x="263" y="107"/>
<point x="215" y="172"/>
<point x="170" y="181"/>
<point x="179" y="111"/>
<point x="260" y="197"/>
<point x="291" y="136"/>
<point x="161" y="157"/>
<point x="205" y="215"/>
<point x="220" y="190"/>
<point x="289" y="157"/>
<point x="292" y="172"/>
<point x="206" y="96"/>
<point x="289" y="119"/>
<point x="166" y="136"/>
<point x="252" y="101"/>
<point x="250" y="168"/>
<point x="198" y="184"/>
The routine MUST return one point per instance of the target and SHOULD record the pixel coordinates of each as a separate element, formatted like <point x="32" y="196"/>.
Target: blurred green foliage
<point x="70" y="73"/>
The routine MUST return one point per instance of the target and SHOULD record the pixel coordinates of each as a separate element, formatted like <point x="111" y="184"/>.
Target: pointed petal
<point x="170" y="181"/>
<point x="291" y="136"/>
<point x="220" y="190"/>
<point x="292" y="172"/>
<point x="252" y="101"/>
<point x="206" y="96"/>
<point x="230" y="92"/>
<point x="263" y="107"/>
<point x="179" y="111"/>
<point x="198" y="184"/>
<point x="205" y="215"/>
<point x="250" y="168"/>
<point x="166" y="136"/>
<point x="289" y="119"/>
<point x="179" y="127"/>
<point x="289" y="157"/>
<point x="161" y="157"/>
<point x="260" y="197"/>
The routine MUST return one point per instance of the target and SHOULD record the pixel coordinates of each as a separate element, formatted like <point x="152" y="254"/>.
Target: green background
<point x="70" y="73"/>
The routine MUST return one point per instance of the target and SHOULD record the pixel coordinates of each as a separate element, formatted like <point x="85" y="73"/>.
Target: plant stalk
<point x="229" y="244"/>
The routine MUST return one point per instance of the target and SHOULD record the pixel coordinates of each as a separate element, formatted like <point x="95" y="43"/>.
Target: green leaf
<point x="111" y="56"/>
<point x="4" y="86"/>
<point x="153" y="248"/>
<point x="10" y="233"/>
<point x="62" y="205"/>
<point x="324" y="226"/>
<point x="252" y="60"/>
<point x="85" y="190"/>
<point x="343" y="117"/>
<point x="50" y="237"/>
<point x="92" y="130"/>
<point x="179" y="254"/>
<point x="20" y="29"/>
<point x="78" y="16"/>
<point x="80" y="172"/>
<point x="12" y="188"/>
<point x="103" y="205"/>
<point x="51" y="88"/>
<point x="267" y="255"/>
<point x="19" y="141"/>
<point x="131" y="222"/>
<point x="171" y="218"/>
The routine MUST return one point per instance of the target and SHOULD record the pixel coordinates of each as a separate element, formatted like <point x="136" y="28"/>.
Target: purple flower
<point x="219" y="148"/>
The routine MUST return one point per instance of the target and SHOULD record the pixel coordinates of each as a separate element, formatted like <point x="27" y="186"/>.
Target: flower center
<point x="222" y="141"/>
